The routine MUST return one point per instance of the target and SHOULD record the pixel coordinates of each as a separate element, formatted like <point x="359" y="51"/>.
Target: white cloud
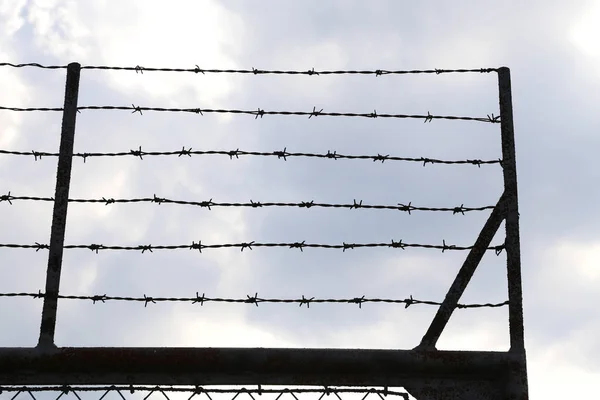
<point x="150" y="34"/>
<point x="10" y="16"/>
<point x="225" y="331"/>
<point x="570" y="265"/>
<point x="15" y="91"/>
<point x="581" y="259"/>
<point x="585" y="31"/>
<point x="15" y="95"/>
<point x="551" y="376"/>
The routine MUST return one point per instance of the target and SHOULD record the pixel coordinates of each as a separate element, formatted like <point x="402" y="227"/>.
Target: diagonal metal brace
<point x="464" y="276"/>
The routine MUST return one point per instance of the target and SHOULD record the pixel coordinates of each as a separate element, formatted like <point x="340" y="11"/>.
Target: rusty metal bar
<point x="245" y="366"/>
<point x="517" y="386"/>
<point x="464" y="276"/>
<point x="59" y="216"/>
<point x="513" y="248"/>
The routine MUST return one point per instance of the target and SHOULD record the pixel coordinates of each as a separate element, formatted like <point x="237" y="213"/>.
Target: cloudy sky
<point x="552" y="50"/>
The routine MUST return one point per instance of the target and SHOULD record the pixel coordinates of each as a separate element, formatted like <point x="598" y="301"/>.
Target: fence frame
<point x="427" y="373"/>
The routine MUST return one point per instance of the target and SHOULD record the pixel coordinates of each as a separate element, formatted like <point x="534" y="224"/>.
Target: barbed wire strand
<point x="236" y="153"/>
<point x="255" y="71"/>
<point x="249" y="245"/>
<point x="260" y="112"/>
<point x="255" y="204"/>
<point x="248" y="300"/>
<point x="197" y="390"/>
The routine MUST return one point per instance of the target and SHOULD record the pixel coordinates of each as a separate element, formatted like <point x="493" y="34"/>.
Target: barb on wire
<point x="255" y="204"/>
<point x="236" y="153"/>
<point x="248" y="245"/>
<point x="261" y="112"/>
<point x="255" y="71"/>
<point x="249" y="299"/>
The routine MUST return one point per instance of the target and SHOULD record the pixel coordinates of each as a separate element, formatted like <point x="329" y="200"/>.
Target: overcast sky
<point x="552" y="50"/>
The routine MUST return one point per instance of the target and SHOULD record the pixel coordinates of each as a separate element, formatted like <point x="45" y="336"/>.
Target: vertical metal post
<point x="513" y="248"/>
<point x="59" y="215"/>
<point x="517" y="384"/>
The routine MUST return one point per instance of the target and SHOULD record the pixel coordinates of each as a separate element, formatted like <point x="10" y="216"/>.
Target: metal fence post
<point x="517" y="384"/>
<point x="59" y="215"/>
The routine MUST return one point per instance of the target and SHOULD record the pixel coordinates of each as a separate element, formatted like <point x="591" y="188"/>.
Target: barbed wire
<point x="248" y="245"/>
<point x="260" y="112"/>
<point x="199" y="390"/>
<point x="248" y="300"/>
<point x="254" y="204"/>
<point x="255" y="71"/>
<point x="236" y="153"/>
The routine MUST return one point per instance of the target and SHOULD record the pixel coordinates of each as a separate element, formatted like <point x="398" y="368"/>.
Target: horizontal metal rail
<point x="245" y="366"/>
